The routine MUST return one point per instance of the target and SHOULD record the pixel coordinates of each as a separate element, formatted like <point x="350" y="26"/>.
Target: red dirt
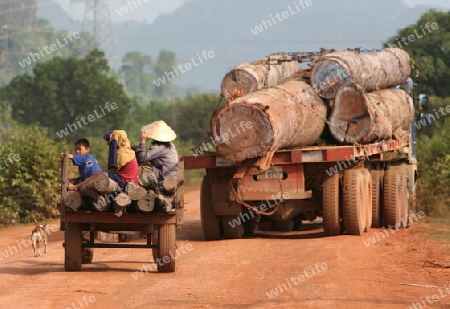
<point x="233" y="273"/>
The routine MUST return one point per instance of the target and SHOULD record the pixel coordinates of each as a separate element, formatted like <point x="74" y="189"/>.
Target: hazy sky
<point x="149" y="10"/>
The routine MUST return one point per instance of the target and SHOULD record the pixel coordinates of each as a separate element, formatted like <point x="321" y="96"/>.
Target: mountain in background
<point x="228" y="29"/>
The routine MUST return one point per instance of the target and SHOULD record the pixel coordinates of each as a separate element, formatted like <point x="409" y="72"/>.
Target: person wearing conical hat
<point x="122" y="162"/>
<point x="162" y="154"/>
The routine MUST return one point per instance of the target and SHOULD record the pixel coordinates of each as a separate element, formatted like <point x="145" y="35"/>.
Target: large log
<point x="365" y="117"/>
<point x="287" y="115"/>
<point x="376" y="70"/>
<point x="248" y="77"/>
<point x="147" y="203"/>
<point x="73" y="200"/>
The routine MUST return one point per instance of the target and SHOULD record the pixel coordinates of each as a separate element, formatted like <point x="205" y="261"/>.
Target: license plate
<point x="271" y="173"/>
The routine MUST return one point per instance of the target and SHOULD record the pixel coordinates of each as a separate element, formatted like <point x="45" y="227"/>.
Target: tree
<point x="137" y="69"/>
<point x="164" y="73"/>
<point x="29" y="177"/>
<point x="72" y="97"/>
<point x="428" y="42"/>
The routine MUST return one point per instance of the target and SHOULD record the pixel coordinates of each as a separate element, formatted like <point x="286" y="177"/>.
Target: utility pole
<point x="97" y="21"/>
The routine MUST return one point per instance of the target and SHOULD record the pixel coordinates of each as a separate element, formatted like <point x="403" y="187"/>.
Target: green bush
<point x="29" y="177"/>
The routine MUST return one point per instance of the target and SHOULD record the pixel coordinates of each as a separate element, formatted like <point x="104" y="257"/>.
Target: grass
<point x="439" y="229"/>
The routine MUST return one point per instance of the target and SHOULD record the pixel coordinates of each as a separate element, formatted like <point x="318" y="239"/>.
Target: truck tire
<point x="230" y="231"/>
<point x="392" y="199"/>
<point x="354" y="204"/>
<point x="210" y="222"/>
<point x="167" y="248"/>
<point x="330" y="194"/>
<point x="72" y="246"/>
<point x="368" y="197"/>
<point x="377" y="177"/>
<point x="404" y="200"/>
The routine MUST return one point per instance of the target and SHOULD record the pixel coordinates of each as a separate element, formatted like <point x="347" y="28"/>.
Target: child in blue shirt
<point x="87" y="164"/>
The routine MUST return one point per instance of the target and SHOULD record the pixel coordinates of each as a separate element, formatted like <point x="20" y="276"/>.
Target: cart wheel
<point x="154" y="241"/>
<point x="72" y="247"/>
<point x="210" y="222"/>
<point x="377" y="177"/>
<point x="368" y="197"/>
<point x="392" y="199"/>
<point x="331" y="220"/>
<point x="167" y="247"/>
<point x="231" y="229"/>
<point x="354" y="205"/>
<point x="87" y="254"/>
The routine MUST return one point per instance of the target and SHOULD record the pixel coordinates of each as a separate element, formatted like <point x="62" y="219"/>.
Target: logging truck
<point x="339" y="147"/>
<point x="133" y="210"/>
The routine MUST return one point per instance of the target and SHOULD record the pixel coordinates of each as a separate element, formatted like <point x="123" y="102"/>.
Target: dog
<point x="38" y="235"/>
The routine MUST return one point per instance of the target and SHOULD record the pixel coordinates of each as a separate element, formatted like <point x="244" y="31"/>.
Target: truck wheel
<point x="72" y="246"/>
<point x="368" y="197"/>
<point x="331" y="220"/>
<point x="354" y="205"/>
<point x="210" y="222"/>
<point x="392" y="199"/>
<point x="167" y="247"/>
<point x="404" y="199"/>
<point x="377" y="177"/>
<point x="231" y="228"/>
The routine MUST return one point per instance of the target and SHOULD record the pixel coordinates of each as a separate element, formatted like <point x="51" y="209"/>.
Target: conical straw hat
<point x="159" y="131"/>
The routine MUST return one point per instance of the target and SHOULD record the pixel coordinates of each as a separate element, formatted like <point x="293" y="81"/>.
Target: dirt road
<point x="305" y="270"/>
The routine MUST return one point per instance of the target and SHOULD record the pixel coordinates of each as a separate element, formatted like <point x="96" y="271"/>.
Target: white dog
<point x="37" y="236"/>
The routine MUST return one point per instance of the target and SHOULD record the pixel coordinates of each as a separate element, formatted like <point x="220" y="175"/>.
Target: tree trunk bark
<point x="376" y="70"/>
<point x="165" y="202"/>
<point x="287" y="115"/>
<point x="248" y="77"/>
<point x="366" y="117"/>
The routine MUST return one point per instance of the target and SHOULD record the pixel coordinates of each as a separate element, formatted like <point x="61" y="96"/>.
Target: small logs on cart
<point x="105" y="185"/>
<point x="259" y="123"/>
<point x="170" y="185"/>
<point x="145" y="204"/>
<point x="248" y="77"/>
<point x="165" y="202"/>
<point x="73" y="200"/>
<point x="365" y="117"/>
<point x="134" y="191"/>
<point x="147" y="178"/>
<point x="121" y="201"/>
<point x="375" y="70"/>
<point x="96" y="200"/>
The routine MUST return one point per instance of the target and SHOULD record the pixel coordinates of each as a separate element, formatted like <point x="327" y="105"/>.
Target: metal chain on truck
<point x="235" y="196"/>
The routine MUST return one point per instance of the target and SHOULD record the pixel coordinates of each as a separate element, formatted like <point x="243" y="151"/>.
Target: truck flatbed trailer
<point x="352" y="187"/>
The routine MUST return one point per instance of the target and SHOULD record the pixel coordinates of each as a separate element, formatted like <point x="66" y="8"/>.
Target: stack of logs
<point x="101" y="193"/>
<point x="359" y="89"/>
